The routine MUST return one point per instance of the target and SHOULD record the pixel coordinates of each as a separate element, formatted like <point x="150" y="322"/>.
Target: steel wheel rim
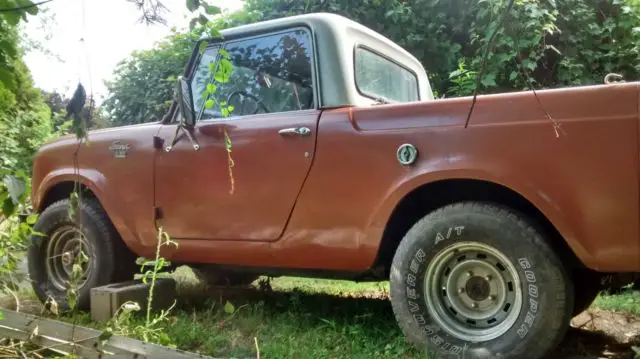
<point x="63" y="247"/>
<point x="472" y="291"/>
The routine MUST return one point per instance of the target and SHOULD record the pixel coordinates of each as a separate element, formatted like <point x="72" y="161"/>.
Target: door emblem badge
<point x="407" y="154"/>
<point x="119" y="150"/>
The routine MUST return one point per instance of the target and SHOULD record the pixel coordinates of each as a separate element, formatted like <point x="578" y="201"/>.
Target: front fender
<point x="97" y="183"/>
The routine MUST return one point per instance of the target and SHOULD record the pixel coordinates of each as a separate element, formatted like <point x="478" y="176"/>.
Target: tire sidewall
<point x="51" y="219"/>
<point x="539" y="272"/>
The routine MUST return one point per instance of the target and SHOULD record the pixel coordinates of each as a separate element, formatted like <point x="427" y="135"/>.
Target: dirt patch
<point x="599" y="334"/>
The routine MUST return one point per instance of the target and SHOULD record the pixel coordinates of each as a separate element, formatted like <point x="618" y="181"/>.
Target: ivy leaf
<point x="192" y="5"/>
<point x="202" y="47"/>
<point x="513" y="75"/>
<point x="229" y="308"/>
<point x="211" y="88"/>
<point x="203" y="19"/>
<point x="213" y="32"/>
<point x="209" y="104"/>
<point x="224" y="54"/>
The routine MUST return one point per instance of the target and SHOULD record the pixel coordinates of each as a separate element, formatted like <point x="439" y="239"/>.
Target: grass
<point x="300" y="318"/>
<point x="627" y="301"/>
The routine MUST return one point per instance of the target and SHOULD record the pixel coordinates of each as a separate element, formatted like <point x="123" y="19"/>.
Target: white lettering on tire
<point x="532" y="289"/>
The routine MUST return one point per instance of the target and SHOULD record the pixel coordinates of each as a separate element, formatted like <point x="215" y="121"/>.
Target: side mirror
<point x="185" y="100"/>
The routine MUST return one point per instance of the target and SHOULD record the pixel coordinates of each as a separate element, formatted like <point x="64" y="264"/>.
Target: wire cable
<point x="486" y="59"/>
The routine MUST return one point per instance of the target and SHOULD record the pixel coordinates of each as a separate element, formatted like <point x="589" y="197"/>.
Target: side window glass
<point x="270" y="74"/>
<point x="201" y="75"/>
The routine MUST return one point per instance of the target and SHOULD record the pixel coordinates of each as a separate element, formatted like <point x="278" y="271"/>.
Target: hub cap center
<point x="478" y="288"/>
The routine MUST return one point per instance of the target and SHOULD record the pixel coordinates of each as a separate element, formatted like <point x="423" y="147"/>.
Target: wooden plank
<point x="64" y="337"/>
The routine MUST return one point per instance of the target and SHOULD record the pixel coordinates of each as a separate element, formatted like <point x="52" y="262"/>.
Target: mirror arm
<point x="192" y="139"/>
<point x="174" y="139"/>
<point x="187" y="132"/>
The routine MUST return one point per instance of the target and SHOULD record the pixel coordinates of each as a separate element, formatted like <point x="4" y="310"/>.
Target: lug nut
<point x="492" y="297"/>
<point x="469" y="273"/>
<point x="474" y="305"/>
<point x="488" y="277"/>
<point x="461" y="290"/>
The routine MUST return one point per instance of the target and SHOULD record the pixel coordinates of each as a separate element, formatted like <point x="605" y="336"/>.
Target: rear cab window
<point x="380" y="78"/>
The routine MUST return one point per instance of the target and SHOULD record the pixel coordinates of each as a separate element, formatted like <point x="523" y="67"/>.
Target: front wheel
<point x="94" y="248"/>
<point x="475" y="280"/>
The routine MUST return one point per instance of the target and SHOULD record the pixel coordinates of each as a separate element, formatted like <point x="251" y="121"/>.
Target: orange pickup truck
<point x="492" y="235"/>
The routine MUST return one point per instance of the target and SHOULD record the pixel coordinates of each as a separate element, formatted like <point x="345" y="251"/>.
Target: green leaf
<point x="229" y="308"/>
<point x="225" y="112"/>
<point x="489" y="80"/>
<point x="1" y="316"/>
<point x="221" y="77"/>
<point x="212" y="67"/>
<point x="513" y="75"/>
<point x="215" y="33"/>
<point x="32" y="219"/>
<point x="33" y="10"/>
<point x="211" y="88"/>
<point x="12" y="17"/>
<point x="209" y="104"/>
<point x="192" y="5"/>
<point x="202" y="47"/>
<point x="224" y="54"/>
<point x="203" y="19"/>
<point x="211" y="10"/>
<point x="15" y="187"/>
<point x="230" y="108"/>
<point x="192" y="23"/>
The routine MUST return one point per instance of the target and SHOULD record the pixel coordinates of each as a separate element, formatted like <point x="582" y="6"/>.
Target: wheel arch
<point x="424" y="198"/>
<point x="60" y="184"/>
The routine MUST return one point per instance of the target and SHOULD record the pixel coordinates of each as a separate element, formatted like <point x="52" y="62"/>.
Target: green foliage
<point x="130" y="100"/>
<point x="24" y="117"/>
<point x="561" y="42"/>
<point x="558" y="42"/>
<point x="16" y="225"/>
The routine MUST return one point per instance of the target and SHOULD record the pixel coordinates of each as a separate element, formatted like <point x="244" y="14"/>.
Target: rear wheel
<point x="92" y="247"/>
<point x="477" y="281"/>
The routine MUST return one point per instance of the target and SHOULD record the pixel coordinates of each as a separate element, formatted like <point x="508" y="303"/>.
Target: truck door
<point x="248" y="193"/>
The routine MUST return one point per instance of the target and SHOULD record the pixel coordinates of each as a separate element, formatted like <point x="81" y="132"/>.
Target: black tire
<point x="212" y="275"/>
<point x="546" y="295"/>
<point x="103" y="243"/>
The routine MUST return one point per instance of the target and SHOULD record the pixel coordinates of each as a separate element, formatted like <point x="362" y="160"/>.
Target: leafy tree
<point x="556" y="42"/>
<point x="24" y="117"/>
<point x="143" y="84"/>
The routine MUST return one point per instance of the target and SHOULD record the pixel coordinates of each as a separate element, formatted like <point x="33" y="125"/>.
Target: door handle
<point x="300" y="131"/>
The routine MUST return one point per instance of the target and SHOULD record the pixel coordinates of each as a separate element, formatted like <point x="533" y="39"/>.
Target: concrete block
<point x="106" y="300"/>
